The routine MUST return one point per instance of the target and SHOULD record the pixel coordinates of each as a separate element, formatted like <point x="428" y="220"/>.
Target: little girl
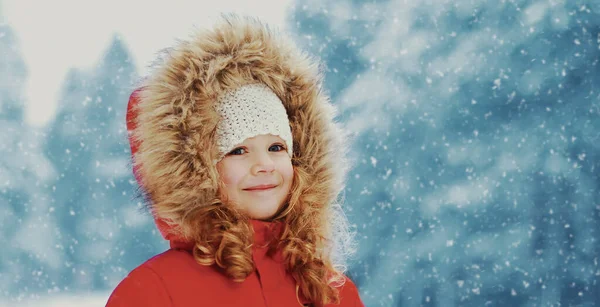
<point x="235" y="147"/>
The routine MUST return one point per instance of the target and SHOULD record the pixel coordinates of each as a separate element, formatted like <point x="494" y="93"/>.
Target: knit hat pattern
<point x="248" y="111"/>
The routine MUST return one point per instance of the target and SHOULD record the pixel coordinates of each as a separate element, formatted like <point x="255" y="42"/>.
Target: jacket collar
<point x="264" y="232"/>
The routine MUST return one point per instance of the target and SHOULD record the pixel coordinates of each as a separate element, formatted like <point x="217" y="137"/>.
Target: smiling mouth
<point x="262" y="188"/>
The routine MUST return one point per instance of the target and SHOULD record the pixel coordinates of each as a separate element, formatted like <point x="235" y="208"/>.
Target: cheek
<point x="287" y="172"/>
<point x="230" y="179"/>
<point x="230" y="173"/>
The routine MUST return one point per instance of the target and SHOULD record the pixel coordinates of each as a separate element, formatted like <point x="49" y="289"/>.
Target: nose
<point x="263" y="163"/>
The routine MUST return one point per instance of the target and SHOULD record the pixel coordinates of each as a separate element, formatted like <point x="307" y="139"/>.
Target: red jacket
<point x="173" y="278"/>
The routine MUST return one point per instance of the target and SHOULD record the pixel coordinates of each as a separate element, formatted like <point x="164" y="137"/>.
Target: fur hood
<point x="171" y="118"/>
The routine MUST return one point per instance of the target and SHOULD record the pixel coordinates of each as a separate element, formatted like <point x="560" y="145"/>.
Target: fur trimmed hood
<point x="172" y="121"/>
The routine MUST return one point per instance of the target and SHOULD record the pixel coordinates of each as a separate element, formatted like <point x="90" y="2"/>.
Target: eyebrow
<point x="271" y="141"/>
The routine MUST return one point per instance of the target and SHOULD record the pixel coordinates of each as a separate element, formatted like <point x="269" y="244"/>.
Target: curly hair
<point x="175" y="131"/>
<point x="315" y="242"/>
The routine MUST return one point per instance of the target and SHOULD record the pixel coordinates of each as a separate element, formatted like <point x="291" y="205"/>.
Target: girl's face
<point x="257" y="175"/>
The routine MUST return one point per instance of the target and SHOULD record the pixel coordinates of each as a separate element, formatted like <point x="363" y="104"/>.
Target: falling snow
<point x="475" y="177"/>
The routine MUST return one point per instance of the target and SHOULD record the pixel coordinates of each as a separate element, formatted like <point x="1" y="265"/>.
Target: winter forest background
<point x="477" y="155"/>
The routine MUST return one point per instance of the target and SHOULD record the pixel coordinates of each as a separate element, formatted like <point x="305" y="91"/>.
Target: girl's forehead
<point x="263" y="138"/>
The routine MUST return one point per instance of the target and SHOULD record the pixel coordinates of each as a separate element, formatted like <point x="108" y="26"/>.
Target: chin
<point x="255" y="210"/>
<point x="262" y="215"/>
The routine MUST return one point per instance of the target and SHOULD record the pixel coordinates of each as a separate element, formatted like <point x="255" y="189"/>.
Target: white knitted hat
<point x="248" y="111"/>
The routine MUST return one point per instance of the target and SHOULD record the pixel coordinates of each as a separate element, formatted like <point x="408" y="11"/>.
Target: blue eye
<point x="281" y="148"/>
<point x="237" y="151"/>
